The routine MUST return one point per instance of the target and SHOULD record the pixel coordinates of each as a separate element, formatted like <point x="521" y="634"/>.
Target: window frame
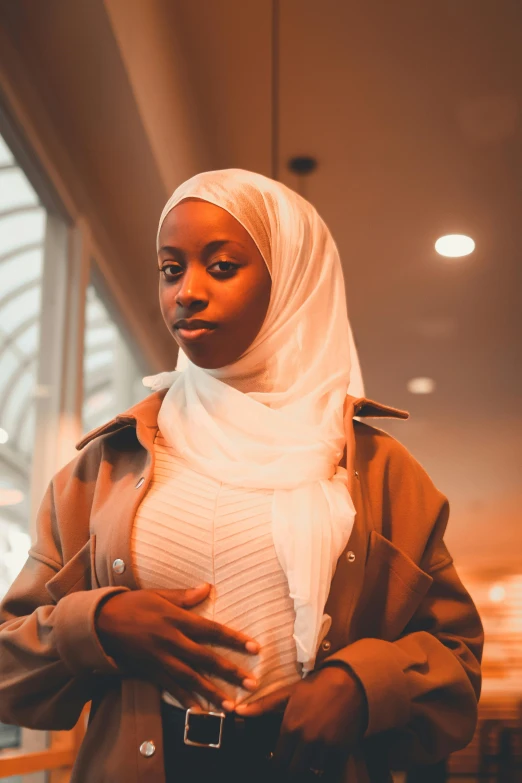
<point x="57" y="429"/>
<point x="69" y="250"/>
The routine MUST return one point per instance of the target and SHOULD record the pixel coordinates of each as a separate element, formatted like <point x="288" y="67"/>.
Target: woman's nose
<point x="191" y="288"/>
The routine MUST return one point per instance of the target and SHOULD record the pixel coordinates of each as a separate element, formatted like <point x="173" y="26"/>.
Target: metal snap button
<point x="350" y="556"/>
<point x="118" y="566"/>
<point x="326" y="644"/>
<point x="140" y="482"/>
<point x="147" y="748"/>
<point x="356" y="474"/>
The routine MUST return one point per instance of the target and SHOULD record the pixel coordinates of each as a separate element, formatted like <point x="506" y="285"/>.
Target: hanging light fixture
<point x="275" y="88"/>
<point x="303" y="166"/>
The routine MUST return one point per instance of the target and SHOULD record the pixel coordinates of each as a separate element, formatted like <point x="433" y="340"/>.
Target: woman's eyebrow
<point x="210" y="247"/>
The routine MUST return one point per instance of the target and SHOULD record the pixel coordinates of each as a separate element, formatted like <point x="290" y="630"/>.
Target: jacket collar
<point x="146" y="412"/>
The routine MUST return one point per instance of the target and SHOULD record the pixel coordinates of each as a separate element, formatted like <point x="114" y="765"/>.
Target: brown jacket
<point x="401" y="618"/>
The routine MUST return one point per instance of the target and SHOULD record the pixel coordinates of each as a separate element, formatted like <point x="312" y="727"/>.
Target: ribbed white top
<point x="190" y="529"/>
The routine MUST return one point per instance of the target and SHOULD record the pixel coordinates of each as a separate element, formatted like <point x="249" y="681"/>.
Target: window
<point x="57" y="333"/>
<point x="22" y="236"/>
<point x="25" y="228"/>
<point x="112" y="374"/>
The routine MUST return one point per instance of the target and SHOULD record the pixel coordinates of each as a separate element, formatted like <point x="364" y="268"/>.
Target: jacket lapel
<point x="348" y="579"/>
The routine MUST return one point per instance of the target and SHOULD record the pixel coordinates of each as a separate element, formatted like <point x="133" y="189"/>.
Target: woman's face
<point x="211" y="270"/>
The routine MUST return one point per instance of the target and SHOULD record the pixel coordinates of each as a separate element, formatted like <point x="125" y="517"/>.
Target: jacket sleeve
<point x="50" y="655"/>
<point x="422" y="688"/>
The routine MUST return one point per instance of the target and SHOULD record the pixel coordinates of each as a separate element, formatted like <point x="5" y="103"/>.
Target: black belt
<point x="223" y="746"/>
<point x="216" y="738"/>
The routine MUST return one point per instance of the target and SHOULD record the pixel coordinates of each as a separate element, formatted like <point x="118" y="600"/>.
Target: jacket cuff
<point x="75" y="632"/>
<point x="375" y="664"/>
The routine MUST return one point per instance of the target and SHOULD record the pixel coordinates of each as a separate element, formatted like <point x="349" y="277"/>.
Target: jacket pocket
<point x="78" y="574"/>
<point x="393" y="589"/>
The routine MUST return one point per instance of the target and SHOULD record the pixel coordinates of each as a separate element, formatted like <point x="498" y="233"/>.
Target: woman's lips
<point x="191" y="335"/>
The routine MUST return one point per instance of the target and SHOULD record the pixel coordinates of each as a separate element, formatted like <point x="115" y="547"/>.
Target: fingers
<point x="273" y="702"/>
<point x="284" y="751"/>
<point x="200" y="629"/>
<point x="185" y="698"/>
<point x="209" y="632"/>
<point x="307" y="756"/>
<point x="180" y="675"/>
<point x="206" y="660"/>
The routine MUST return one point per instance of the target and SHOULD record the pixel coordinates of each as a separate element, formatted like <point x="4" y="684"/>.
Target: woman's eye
<point x="172" y="271"/>
<point x="228" y="264"/>
<point x="169" y="275"/>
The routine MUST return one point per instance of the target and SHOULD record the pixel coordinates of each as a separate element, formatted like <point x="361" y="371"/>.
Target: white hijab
<point x="274" y="418"/>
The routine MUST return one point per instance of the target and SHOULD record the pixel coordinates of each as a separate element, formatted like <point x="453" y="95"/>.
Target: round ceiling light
<point x="421" y="385"/>
<point x="454" y="245"/>
<point x="497" y="593"/>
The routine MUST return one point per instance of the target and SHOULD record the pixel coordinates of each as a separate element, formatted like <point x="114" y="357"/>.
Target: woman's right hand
<point x="152" y="634"/>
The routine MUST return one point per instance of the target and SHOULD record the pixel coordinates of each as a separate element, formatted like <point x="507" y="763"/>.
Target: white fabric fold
<point x="274" y="418"/>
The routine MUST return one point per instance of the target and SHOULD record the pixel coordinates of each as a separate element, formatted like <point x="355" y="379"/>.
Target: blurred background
<point x="401" y="122"/>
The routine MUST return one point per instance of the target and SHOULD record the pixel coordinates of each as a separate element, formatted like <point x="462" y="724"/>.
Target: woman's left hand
<point x="326" y="716"/>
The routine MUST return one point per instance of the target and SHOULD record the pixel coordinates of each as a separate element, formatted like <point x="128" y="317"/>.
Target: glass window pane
<point x="112" y="374"/>
<point x="18" y="304"/>
<point x="22" y="231"/>
<point x="22" y="234"/>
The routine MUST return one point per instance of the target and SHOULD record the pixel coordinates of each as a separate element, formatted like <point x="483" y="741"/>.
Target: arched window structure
<point x="111" y="371"/>
<point x="22" y="236"/>
<point x="59" y="334"/>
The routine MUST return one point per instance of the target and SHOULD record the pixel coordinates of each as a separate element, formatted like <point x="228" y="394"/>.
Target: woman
<point x="244" y="580"/>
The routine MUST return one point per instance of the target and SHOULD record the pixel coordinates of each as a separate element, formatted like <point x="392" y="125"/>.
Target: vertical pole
<point x="275" y="88"/>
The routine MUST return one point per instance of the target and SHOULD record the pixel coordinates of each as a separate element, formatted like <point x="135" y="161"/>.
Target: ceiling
<point x="413" y="111"/>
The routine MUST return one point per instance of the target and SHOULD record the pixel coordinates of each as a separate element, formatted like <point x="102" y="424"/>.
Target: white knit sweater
<point x="190" y="529"/>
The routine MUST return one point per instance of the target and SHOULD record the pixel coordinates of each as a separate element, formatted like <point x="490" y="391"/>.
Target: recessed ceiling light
<point x="4" y="437"/>
<point x="497" y="593"/>
<point x="421" y="385"/>
<point x="10" y="497"/>
<point x="454" y="245"/>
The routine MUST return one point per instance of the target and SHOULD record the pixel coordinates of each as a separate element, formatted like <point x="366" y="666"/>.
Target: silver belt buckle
<point x="195" y="711"/>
